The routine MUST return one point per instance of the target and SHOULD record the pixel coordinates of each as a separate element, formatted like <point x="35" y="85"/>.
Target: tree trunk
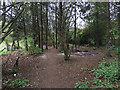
<point x="47" y="26"/>
<point x="7" y="45"/>
<point x="96" y="25"/>
<point x="18" y="45"/>
<point x="107" y="29"/>
<point x="33" y="22"/>
<point x="56" y="24"/>
<point x="38" y="27"/>
<point x="41" y="22"/>
<point x="25" y="35"/>
<point x="75" y="30"/>
<point x="61" y="28"/>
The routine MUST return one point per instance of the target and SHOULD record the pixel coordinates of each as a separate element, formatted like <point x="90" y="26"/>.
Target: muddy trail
<point x="49" y="70"/>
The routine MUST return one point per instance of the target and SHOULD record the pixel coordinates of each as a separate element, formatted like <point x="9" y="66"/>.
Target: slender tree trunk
<point x="38" y="27"/>
<point x="108" y="28"/>
<point x="61" y="28"/>
<point x="18" y="45"/>
<point x="47" y="26"/>
<point x="7" y="45"/>
<point x="33" y="22"/>
<point x="96" y="24"/>
<point x="56" y="24"/>
<point x="25" y="35"/>
<point x="75" y="30"/>
<point x="41" y="26"/>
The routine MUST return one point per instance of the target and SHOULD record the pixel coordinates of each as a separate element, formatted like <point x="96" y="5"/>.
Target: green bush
<point x="34" y="50"/>
<point x="17" y="83"/>
<point x="108" y="71"/>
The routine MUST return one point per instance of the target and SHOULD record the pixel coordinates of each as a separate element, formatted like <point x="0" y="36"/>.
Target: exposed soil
<point x="49" y="70"/>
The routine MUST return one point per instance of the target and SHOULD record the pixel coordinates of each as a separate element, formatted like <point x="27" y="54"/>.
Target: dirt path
<point x="44" y="72"/>
<point x="49" y="76"/>
<point x="49" y="70"/>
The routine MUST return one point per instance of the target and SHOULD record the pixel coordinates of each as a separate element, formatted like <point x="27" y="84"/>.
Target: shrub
<point x="34" y="50"/>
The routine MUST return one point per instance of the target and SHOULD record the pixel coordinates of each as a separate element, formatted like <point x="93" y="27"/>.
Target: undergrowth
<point x="5" y="52"/>
<point x="17" y="83"/>
<point x="107" y="75"/>
<point x="34" y="50"/>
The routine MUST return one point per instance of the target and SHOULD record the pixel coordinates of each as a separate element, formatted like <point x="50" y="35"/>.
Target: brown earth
<point x="49" y="70"/>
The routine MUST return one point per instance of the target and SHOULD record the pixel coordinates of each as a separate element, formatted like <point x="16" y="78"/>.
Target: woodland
<point x="60" y="44"/>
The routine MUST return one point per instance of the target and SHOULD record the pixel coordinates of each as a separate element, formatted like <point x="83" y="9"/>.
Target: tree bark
<point x="25" y="35"/>
<point x="56" y="25"/>
<point x="41" y="26"/>
<point x="96" y="24"/>
<point x="107" y="29"/>
<point x="75" y="30"/>
<point x="47" y="26"/>
<point x="38" y="27"/>
<point x="61" y="27"/>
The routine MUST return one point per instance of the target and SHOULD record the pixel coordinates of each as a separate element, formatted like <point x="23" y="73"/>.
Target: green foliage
<point x="108" y="71"/>
<point x="17" y="83"/>
<point x="34" y="50"/>
<point x="81" y="85"/>
<point x="101" y="83"/>
<point x="97" y="82"/>
<point x="8" y="81"/>
<point x="62" y="51"/>
<point x="115" y="32"/>
<point x="107" y="75"/>
<point x="112" y="47"/>
<point x="5" y="52"/>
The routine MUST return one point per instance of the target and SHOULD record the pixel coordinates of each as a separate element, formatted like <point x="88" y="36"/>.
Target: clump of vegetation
<point x="34" y="50"/>
<point x="107" y="75"/>
<point x="108" y="71"/>
<point x="5" y="52"/>
<point x="17" y="83"/>
<point x="62" y="51"/>
<point x="81" y="85"/>
<point x="103" y="83"/>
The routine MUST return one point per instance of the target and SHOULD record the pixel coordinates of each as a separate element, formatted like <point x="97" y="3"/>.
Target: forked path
<point x="49" y="70"/>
